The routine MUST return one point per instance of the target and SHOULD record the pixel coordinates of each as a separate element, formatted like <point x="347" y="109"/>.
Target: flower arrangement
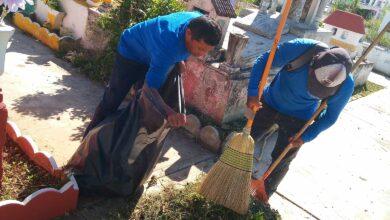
<point x="12" y="6"/>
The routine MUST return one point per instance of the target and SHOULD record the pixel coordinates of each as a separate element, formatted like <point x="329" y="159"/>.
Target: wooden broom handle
<point x="271" y="56"/>
<point x="296" y="136"/>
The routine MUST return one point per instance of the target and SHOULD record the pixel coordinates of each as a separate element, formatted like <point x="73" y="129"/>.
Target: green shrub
<point x="163" y="7"/>
<point x="124" y="14"/>
<point x="353" y="7"/>
<point x="372" y="27"/>
<point x="54" y="4"/>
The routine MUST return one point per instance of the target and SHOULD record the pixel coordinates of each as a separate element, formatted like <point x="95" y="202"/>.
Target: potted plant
<point x="5" y="30"/>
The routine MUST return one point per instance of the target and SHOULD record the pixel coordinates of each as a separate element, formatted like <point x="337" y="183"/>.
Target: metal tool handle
<point x="182" y="99"/>
<point x="270" y="59"/>
<point x="296" y="137"/>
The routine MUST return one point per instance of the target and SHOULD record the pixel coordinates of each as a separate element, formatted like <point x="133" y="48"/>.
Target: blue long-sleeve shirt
<point x="159" y="43"/>
<point x="289" y="94"/>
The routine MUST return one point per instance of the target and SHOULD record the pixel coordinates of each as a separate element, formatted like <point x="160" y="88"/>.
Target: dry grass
<point x="186" y="203"/>
<point x="21" y="176"/>
<point x="365" y="90"/>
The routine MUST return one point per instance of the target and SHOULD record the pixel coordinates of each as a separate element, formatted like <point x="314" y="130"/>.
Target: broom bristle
<point x="228" y="181"/>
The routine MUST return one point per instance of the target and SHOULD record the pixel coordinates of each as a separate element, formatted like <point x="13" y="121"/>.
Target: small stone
<point x="209" y="137"/>
<point x="193" y="125"/>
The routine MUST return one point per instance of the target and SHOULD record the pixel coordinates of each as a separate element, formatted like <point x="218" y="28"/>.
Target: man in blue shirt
<point x="149" y="50"/>
<point x="293" y="97"/>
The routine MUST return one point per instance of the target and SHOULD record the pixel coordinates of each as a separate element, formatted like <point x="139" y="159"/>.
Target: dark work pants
<point x="288" y="127"/>
<point x="125" y="74"/>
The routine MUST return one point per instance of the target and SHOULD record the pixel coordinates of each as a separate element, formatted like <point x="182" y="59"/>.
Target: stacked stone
<point x="207" y="135"/>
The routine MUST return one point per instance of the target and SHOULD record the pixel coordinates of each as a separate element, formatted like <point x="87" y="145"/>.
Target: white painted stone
<point x="42" y="11"/>
<point x="209" y="136"/>
<point x="76" y="17"/>
<point x="193" y="125"/>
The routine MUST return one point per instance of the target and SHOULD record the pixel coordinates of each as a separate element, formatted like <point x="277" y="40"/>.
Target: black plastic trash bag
<point x="117" y="156"/>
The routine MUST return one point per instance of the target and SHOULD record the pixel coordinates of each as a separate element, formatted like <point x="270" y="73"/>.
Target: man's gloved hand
<point x="297" y="143"/>
<point x="176" y="119"/>
<point x="253" y="103"/>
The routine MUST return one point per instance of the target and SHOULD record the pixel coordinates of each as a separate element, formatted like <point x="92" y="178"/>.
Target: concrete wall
<point x="381" y="58"/>
<point x="236" y="104"/>
<point x="350" y="37"/>
<point x="362" y="72"/>
<point x="320" y="34"/>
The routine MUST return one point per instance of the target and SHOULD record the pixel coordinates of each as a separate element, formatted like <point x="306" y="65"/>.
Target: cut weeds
<point x="186" y="203"/>
<point x="171" y="203"/>
<point x="21" y="176"/>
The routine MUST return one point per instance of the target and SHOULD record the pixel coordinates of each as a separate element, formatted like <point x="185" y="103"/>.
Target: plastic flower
<point x="14" y="5"/>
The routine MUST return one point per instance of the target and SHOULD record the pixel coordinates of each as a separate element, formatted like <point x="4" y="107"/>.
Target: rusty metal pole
<point x="373" y="43"/>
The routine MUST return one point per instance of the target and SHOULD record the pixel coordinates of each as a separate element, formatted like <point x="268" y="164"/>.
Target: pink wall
<point x="213" y="92"/>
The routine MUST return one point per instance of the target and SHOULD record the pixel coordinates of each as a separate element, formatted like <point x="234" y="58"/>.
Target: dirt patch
<point x="21" y="177"/>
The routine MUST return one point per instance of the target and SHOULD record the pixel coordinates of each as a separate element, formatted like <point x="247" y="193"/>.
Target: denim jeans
<point x="124" y="75"/>
<point x="288" y="127"/>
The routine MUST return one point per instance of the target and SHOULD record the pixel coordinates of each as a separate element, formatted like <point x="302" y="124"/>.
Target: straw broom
<point x="228" y="181"/>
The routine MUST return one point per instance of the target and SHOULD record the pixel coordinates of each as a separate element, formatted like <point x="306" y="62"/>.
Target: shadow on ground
<point x="59" y="93"/>
<point x="61" y="96"/>
<point x="97" y="208"/>
<point x="68" y="98"/>
<point x="189" y="153"/>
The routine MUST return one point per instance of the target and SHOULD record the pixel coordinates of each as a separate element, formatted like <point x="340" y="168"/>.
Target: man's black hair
<point x="205" y="28"/>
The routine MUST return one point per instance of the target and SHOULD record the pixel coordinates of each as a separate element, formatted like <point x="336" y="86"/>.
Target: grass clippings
<point x="171" y="203"/>
<point x="365" y="90"/>
<point x="186" y="203"/>
<point x="21" y="177"/>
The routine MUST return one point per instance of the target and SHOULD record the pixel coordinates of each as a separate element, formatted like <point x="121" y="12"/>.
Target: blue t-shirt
<point x="159" y="43"/>
<point x="289" y="94"/>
